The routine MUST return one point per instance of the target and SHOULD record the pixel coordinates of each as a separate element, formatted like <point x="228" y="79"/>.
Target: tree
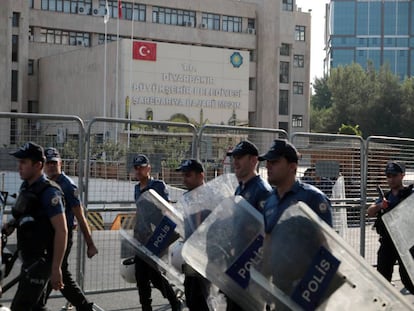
<point x="322" y="96"/>
<point x="347" y="129"/>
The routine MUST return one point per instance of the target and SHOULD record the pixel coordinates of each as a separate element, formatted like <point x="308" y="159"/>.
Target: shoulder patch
<point x="55" y="200"/>
<point x="323" y="207"/>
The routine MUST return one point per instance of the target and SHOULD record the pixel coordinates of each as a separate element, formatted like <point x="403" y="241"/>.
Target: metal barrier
<point x="334" y="164"/>
<point x="345" y="167"/>
<point x="111" y="145"/>
<point x="66" y="133"/>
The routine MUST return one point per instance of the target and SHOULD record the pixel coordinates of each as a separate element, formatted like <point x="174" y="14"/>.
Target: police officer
<point x="73" y="208"/>
<point x="282" y="163"/>
<point x="41" y="229"/>
<point x="195" y="286"/>
<point x="144" y="273"/>
<point x="252" y="186"/>
<point x="387" y="254"/>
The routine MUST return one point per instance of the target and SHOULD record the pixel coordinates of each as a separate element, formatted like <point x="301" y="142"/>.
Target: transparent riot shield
<point x="303" y="264"/>
<point x="225" y="245"/>
<point x="400" y="224"/>
<point x="174" y="276"/>
<point x="198" y="203"/>
<point x="158" y="223"/>
<point x="318" y="270"/>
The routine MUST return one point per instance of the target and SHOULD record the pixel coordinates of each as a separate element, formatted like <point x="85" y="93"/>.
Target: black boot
<point x="85" y="307"/>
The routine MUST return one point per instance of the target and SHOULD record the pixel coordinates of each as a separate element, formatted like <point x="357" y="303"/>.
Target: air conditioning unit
<point x="203" y="26"/>
<point x="79" y="42"/>
<point x="82" y="9"/>
<point x="251" y="31"/>
<point x="98" y="12"/>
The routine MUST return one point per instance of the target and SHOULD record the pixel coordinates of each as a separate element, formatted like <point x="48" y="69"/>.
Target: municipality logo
<point x="236" y="59"/>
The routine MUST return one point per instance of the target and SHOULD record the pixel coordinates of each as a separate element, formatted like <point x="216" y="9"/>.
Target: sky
<point x="317" y="33"/>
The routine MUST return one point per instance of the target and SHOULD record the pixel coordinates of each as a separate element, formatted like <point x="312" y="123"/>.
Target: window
<point x="169" y="16"/>
<point x="284" y="102"/>
<point x="284" y="72"/>
<point x="109" y="38"/>
<point x="16" y="19"/>
<point x="31" y="33"/>
<point x="31" y="4"/>
<point x="251" y="23"/>
<point x="128" y="9"/>
<point x="69" y="6"/>
<point x="285" y="49"/>
<point x="14" y="85"/>
<point x="149" y="114"/>
<point x="33" y="107"/>
<point x="210" y="21"/>
<point x="252" y="84"/>
<point x="298" y="60"/>
<point x="252" y="55"/>
<point x="57" y="36"/>
<point x="284" y="126"/>
<point x="232" y="24"/>
<point x="300" y="33"/>
<point x="13" y="129"/>
<point x="15" y="48"/>
<point x="297" y="87"/>
<point x="297" y="120"/>
<point x="287" y="5"/>
<point x="30" y="67"/>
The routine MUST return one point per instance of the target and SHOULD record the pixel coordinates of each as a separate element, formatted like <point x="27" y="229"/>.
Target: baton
<point x="380" y="192"/>
<point x="22" y="274"/>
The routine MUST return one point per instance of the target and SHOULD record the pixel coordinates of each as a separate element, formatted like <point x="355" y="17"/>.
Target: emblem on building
<point x="236" y="59"/>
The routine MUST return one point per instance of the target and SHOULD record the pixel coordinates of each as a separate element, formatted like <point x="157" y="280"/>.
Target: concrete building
<point x="54" y="54"/>
<point x="374" y="31"/>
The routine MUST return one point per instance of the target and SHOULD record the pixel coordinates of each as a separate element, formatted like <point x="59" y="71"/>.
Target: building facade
<point x="273" y="36"/>
<point x="371" y="31"/>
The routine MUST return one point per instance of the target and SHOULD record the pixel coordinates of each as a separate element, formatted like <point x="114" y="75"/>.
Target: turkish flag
<point x="119" y="9"/>
<point x="144" y="50"/>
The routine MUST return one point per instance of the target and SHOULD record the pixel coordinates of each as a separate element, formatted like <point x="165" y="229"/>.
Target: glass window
<point x="16" y="19"/>
<point x="297" y="120"/>
<point x="299" y="60"/>
<point x="68" y="6"/>
<point x="210" y="21"/>
<point x="14" y="85"/>
<point x="287" y="5"/>
<point x="30" y="68"/>
<point x="31" y="4"/>
<point x="252" y="84"/>
<point x="231" y="23"/>
<point x="13" y="129"/>
<point x="57" y="36"/>
<point x="284" y="126"/>
<point x="176" y="17"/>
<point x="284" y="72"/>
<point x="300" y="33"/>
<point x="251" y="23"/>
<point x="297" y="87"/>
<point x="284" y="102"/>
<point x="285" y="49"/>
<point x="15" y="48"/>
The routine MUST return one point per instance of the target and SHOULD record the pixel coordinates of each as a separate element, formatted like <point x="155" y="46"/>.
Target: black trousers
<point x="145" y="275"/>
<point x="387" y="256"/>
<point x="31" y="286"/>
<point x="71" y="291"/>
<point x="195" y="293"/>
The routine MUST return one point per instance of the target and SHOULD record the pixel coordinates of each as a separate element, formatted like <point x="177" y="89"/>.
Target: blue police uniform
<point x="256" y="191"/>
<point x="36" y="204"/>
<point x="306" y="193"/>
<point x="155" y="184"/>
<point x="144" y="273"/>
<point x="71" y="291"/>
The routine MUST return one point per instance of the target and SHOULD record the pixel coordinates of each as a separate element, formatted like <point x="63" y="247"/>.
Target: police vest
<point x="35" y="233"/>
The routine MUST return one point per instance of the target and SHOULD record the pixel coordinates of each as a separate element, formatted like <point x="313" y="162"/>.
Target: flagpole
<point x="117" y="69"/>
<point x="106" y="19"/>
<point x="130" y="75"/>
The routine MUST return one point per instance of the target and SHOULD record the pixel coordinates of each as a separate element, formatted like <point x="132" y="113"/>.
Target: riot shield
<point x="400" y="224"/>
<point x="158" y="223"/>
<point x="198" y="203"/>
<point x="160" y="264"/>
<point x="303" y="263"/>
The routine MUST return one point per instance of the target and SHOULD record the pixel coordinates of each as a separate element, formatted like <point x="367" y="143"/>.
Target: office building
<point x="376" y="31"/>
<point x="266" y="41"/>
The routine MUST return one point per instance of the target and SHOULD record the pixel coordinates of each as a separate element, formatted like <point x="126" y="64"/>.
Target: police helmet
<point x="127" y="270"/>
